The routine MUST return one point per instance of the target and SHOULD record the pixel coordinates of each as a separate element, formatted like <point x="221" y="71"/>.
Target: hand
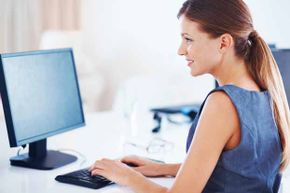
<point x="113" y="170"/>
<point x="145" y="166"/>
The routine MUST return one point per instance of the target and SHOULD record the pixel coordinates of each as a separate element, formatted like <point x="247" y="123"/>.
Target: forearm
<point x="169" y="169"/>
<point x="141" y="184"/>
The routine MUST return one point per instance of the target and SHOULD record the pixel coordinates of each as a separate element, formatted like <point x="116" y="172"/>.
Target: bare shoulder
<point x="219" y="114"/>
<point x="219" y="99"/>
<point x="215" y="128"/>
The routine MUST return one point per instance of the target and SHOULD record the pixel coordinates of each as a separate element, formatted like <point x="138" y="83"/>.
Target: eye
<point x="188" y="40"/>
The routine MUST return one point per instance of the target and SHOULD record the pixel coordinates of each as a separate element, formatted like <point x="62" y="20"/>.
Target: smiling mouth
<point x="190" y="63"/>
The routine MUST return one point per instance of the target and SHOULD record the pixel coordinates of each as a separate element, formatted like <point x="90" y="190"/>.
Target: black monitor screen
<point x="41" y="91"/>
<point x="282" y="57"/>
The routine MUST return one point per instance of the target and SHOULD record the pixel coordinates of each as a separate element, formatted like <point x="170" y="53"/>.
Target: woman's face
<point x="200" y="50"/>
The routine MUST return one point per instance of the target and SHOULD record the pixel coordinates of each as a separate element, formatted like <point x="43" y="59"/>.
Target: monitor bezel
<point x="281" y="50"/>
<point x="13" y="141"/>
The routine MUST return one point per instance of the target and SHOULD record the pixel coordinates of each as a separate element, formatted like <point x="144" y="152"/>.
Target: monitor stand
<point x="39" y="158"/>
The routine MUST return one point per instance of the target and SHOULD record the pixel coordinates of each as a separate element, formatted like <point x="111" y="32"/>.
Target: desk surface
<point x="101" y="137"/>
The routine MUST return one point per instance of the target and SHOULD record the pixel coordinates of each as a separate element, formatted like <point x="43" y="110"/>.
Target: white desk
<point x="100" y="138"/>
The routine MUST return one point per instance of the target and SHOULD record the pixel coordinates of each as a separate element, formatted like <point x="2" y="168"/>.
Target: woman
<point x="239" y="141"/>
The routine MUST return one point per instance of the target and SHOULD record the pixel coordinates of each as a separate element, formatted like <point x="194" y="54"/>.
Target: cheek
<point x="210" y="55"/>
<point x="205" y="59"/>
<point x="213" y="57"/>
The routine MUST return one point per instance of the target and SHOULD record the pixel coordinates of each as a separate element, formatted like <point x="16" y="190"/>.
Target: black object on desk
<point x="84" y="178"/>
<point x="187" y="110"/>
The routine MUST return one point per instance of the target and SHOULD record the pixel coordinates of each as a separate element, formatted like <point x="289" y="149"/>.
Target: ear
<point x="226" y="42"/>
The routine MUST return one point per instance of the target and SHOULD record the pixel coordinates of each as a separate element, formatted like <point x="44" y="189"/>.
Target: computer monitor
<point x="41" y="98"/>
<point x="282" y="57"/>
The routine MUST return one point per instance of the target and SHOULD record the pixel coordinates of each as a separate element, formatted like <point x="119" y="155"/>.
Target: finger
<point x="93" y="166"/>
<point x="126" y="159"/>
<point x="98" y="164"/>
<point x="97" y="171"/>
<point x="105" y="163"/>
<point x="133" y="160"/>
<point x="140" y="169"/>
<point x="131" y="163"/>
<point x="129" y="157"/>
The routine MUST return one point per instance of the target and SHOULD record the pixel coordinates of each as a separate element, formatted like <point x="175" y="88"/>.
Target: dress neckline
<point x="246" y="90"/>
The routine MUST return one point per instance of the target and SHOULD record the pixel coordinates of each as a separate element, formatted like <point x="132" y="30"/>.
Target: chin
<point x="195" y="74"/>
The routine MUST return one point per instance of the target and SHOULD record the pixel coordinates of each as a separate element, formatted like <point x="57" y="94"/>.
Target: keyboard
<point x="83" y="178"/>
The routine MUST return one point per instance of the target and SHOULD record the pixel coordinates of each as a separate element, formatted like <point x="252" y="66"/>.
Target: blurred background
<point x="125" y="50"/>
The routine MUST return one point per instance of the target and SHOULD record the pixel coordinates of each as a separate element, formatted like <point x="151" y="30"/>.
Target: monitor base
<point x="52" y="160"/>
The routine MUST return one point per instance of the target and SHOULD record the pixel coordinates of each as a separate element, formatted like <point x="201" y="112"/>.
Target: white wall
<point x="272" y="20"/>
<point x="129" y="38"/>
<point x="133" y="37"/>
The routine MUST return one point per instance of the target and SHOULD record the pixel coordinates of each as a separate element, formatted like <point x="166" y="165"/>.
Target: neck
<point x="232" y="71"/>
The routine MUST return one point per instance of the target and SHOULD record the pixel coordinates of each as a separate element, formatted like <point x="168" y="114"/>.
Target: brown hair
<point x="233" y="17"/>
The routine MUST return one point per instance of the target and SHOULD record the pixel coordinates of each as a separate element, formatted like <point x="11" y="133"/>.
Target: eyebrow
<point x="183" y="34"/>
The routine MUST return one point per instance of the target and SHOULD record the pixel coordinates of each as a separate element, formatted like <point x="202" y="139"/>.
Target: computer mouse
<point x="131" y="164"/>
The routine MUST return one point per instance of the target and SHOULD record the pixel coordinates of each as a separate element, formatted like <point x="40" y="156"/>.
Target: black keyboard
<point x="83" y="178"/>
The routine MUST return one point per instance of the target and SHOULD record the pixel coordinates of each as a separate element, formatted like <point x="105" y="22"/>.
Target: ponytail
<point x="250" y="47"/>
<point x="263" y="68"/>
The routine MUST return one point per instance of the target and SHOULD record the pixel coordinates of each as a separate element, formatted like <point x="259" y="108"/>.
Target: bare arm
<point x="217" y="124"/>
<point x="151" y="168"/>
<point x="169" y="169"/>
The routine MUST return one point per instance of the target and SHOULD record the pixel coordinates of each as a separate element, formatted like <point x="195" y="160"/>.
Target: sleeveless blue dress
<point x="252" y="166"/>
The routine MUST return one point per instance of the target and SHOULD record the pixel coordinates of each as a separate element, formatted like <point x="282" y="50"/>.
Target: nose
<point x="181" y="50"/>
